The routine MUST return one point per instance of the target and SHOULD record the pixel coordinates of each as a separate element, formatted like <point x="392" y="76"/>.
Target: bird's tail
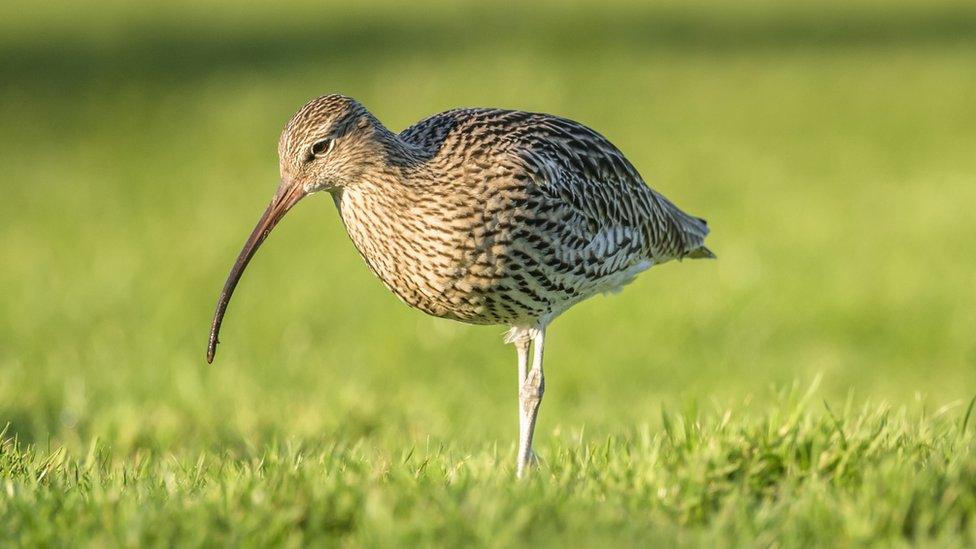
<point x="685" y="234"/>
<point x="701" y="253"/>
<point x="694" y="230"/>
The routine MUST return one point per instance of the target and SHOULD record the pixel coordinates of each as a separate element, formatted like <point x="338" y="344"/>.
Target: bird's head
<point x="327" y="145"/>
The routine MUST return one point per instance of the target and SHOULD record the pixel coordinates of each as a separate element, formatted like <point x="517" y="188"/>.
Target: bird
<point x="479" y="215"/>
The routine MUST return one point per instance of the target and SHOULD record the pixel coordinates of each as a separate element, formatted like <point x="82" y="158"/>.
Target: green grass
<point x="830" y="146"/>
<point x="787" y="475"/>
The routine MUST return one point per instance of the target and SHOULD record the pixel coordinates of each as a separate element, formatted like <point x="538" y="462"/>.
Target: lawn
<point x="811" y="386"/>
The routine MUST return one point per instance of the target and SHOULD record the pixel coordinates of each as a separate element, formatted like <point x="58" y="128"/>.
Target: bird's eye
<point x="321" y="147"/>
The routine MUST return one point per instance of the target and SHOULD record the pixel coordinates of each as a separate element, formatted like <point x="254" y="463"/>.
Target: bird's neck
<point x="389" y="215"/>
<point x="405" y="161"/>
<point x="396" y="175"/>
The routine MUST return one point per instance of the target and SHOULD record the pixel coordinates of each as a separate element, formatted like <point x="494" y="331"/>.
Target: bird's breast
<point x="494" y="256"/>
<point x="429" y="257"/>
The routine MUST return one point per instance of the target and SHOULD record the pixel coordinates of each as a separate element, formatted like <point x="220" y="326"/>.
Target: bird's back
<point x="571" y="164"/>
<point x="521" y="215"/>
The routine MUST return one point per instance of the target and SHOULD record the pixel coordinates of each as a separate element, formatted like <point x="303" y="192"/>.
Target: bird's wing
<point x="576" y="168"/>
<point x="581" y="169"/>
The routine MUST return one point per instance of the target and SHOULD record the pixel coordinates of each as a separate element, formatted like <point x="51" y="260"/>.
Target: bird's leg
<point x="532" y="387"/>
<point x="522" y="341"/>
<point x="522" y="349"/>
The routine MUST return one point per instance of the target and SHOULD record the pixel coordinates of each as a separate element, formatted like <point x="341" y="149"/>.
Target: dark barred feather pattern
<point x="492" y="216"/>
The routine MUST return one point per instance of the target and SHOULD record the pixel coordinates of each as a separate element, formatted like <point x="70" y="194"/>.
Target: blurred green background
<point x="831" y="145"/>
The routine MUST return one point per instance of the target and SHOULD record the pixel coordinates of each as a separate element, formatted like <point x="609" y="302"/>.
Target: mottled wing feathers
<point x="580" y="169"/>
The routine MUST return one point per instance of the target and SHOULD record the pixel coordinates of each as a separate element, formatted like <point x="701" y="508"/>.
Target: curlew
<point x="485" y="216"/>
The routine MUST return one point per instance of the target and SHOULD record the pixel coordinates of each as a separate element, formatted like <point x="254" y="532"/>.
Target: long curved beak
<point x="288" y="195"/>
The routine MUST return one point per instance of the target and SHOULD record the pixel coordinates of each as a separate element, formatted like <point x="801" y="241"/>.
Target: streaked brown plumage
<point x="484" y="216"/>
